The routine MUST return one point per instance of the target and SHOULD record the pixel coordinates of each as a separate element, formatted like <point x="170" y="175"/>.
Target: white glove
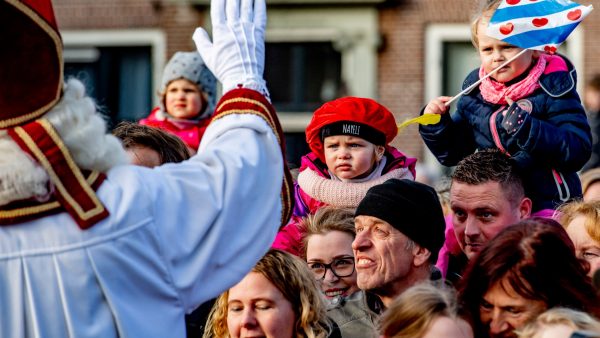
<point x="237" y="54"/>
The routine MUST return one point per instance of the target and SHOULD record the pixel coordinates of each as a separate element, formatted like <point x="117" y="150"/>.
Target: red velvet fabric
<point x="31" y="61"/>
<point x="365" y="111"/>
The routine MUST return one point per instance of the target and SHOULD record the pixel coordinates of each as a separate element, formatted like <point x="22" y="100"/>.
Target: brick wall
<point x="177" y="19"/>
<point x="401" y="60"/>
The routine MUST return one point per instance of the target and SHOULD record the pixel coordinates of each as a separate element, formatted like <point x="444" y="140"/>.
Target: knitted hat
<point x="411" y="207"/>
<point x="31" y="75"/>
<point x="190" y="66"/>
<point x="356" y="116"/>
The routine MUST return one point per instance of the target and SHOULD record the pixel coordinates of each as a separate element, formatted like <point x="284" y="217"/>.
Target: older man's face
<point x="480" y="212"/>
<point x="380" y="251"/>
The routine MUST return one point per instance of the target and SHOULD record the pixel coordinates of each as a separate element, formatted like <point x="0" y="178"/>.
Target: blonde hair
<point x="291" y="277"/>
<point x="590" y="210"/>
<point x="325" y="220"/>
<point x="486" y="7"/>
<point x="412" y="313"/>
<point x="82" y="130"/>
<point x="577" y="320"/>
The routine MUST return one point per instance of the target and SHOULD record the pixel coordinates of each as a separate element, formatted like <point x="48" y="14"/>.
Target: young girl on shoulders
<point x="529" y="109"/>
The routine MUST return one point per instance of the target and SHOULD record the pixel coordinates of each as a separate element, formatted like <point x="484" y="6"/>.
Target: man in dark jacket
<point x="399" y="232"/>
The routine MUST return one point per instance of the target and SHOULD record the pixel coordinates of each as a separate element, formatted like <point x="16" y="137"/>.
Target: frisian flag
<point x="536" y="24"/>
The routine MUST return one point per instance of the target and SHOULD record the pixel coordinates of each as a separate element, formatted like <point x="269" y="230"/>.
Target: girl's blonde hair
<point x="412" y="313"/>
<point x="590" y="210"/>
<point x="325" y="220"/>
<point x="485" y="8"/>
<point x="577" y="320"/>
<point x="291" y="277"/>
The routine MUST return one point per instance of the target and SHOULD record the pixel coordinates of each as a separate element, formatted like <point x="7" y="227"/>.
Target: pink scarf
<point x="496" y="92"/>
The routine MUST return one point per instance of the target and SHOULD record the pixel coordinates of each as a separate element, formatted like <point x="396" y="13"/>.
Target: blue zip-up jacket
<point x="553" y="143"/>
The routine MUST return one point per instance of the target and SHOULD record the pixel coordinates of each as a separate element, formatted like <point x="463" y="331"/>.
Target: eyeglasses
<point x="340" y="267"/>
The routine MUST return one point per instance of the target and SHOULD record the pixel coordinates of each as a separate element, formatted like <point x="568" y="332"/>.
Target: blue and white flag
<point x="536" y="24"/>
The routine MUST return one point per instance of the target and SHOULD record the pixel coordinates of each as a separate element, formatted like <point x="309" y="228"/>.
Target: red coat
<point x="190" y="131"/>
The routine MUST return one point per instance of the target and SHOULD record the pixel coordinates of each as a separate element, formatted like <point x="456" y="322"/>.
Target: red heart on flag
<point x="512" y="2"/>
<point x="574" y="15"/>
<point x="550" y="49"/>
<point x="539" y="22"/>
<point x="507" y="28"/>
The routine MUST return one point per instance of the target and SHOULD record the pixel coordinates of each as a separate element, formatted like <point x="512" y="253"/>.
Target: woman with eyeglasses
<point x="328" y="251"/>
<point x="329" y="233"/>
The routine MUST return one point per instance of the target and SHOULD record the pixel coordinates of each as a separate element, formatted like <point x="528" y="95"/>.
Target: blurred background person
<point x="279" y="298"/>
<point x="582" y="222"/>
<point x="526" y="269"/>
<point x="591" y="101"/>
<point x="424" y="311"/>
<point x="590" y="184"/>
<point x="562" y="323"/>
<point x="187" y="99"/>
<point x="150" y="147"/>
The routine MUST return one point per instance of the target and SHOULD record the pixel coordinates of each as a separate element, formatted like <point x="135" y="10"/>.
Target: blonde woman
<point x="328" y="250"/>
<point x="581" y="219"/>
<point x="424" y="311"/>
<point x="277" y="299"/>
<point x="562" y="322"/>
<point x="328" y="237"/>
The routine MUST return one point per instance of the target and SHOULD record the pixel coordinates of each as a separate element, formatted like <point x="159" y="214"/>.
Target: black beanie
<point x="411" y="207"/>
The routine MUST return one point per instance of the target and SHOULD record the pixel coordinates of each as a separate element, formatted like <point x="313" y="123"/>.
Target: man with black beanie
<point x="399" y="232"/>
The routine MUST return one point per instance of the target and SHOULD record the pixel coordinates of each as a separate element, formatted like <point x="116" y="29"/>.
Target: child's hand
<point x="513" y="118"/>
<point x="437" y="106"/>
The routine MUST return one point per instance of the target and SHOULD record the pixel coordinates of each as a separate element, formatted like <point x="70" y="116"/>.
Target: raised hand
<point x="437" y="106"/>
<point x="236" y="56"/>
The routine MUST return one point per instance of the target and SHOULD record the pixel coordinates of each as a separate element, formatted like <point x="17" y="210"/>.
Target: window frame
<point x="153" y="38"/>
<point x="354" y="32"/>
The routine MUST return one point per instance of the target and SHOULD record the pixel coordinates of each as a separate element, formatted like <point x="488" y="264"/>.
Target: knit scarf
<point x="496" y="92"/>
<point x="343" y="194"/>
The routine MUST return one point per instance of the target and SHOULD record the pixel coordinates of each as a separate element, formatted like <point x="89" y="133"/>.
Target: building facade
<point x="400" y="52"/>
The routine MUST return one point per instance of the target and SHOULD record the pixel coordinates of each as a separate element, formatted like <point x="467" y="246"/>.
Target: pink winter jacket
<point x="190" y="131"/>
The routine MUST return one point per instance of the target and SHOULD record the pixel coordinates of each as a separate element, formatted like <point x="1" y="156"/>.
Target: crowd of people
<point x="189" y="223"/>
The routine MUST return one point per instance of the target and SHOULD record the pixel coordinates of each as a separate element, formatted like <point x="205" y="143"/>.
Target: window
<point x="302" y="76"/>
<point x="316" y="54"/>
<point x="119" y="78"/>
<point x="120" y="69"/>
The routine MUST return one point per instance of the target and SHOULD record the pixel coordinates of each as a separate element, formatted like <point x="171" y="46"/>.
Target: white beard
<point x="82" y="130"/>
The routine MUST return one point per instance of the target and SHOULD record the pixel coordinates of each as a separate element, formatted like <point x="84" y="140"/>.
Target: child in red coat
<point x="188" y="94"/>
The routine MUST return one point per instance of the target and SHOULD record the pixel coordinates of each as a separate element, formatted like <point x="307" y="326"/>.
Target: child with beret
<point x="187" y="99"/>
<point x="350" y="152"/>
